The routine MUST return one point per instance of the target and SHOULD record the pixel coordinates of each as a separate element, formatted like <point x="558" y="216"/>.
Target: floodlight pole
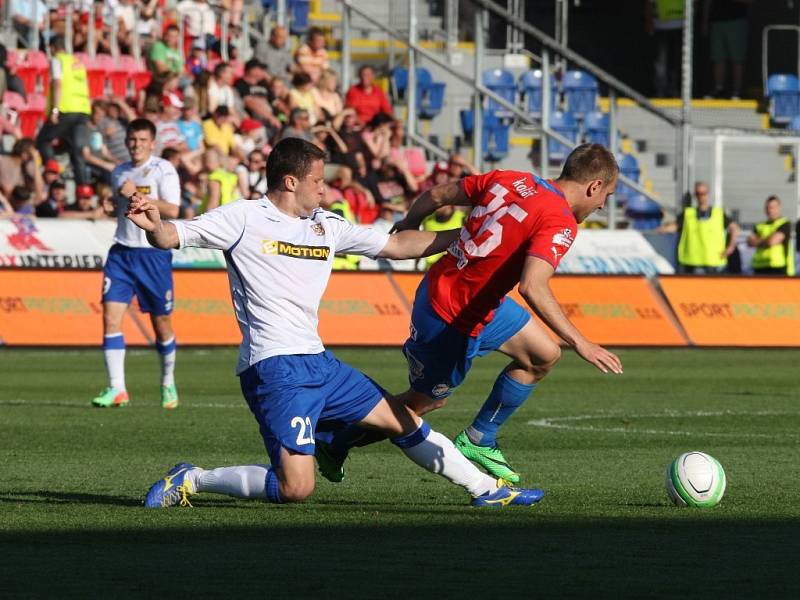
<point x="682" y="147"/>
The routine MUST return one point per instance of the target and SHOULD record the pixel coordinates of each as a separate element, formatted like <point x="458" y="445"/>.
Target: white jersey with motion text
<point x="278" y="268"/>
<point x="156" y="178"/>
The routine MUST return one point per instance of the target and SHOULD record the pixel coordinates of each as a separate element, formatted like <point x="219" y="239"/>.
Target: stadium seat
<point x="530" y="87"/>
<point x="644" y="213"/>
<point x="596" y="128"/>
<point x="495" y="137"/>
<point x="398" y="82"/>
<point x="98" y="71"/>
<point x="28" y="70"/>
<point x="430" y="94"/>
<point x="31" y="116"/>
<point x="502" y="83"/>
<point x="564" y="123"/>
<point x="123" y="72"/>
<point x="580" y="92"/>
<point x="298" y="11"/>
<point x="629" y="167"/>
<point x="783" y="91"/>
<point x="13" y="100"/>
<point x="794" y="124"/>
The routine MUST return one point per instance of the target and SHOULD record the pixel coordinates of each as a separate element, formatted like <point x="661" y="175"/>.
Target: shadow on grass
<point x="449" y="556"/>
<point x="51" y="497"/>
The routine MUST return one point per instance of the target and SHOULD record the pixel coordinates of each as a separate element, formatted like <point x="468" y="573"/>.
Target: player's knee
<point x="544" y="362"/>
<point x="296" y="491"/>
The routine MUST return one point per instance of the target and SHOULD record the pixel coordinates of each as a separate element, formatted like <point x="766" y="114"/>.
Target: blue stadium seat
<point x="794" y="124"/>
<point x="596" y="127"/>
<point x="580" y="92"/>
<point x="297" y="13"/>
<point x="530" y="87"/>
<point x="502" y="83"/>
<point x="430" y="93"/>
<point x="495" y="134"/>
<point x="629" y="167"/>
<point x="565" y="124"/>
<point x="644" y="213"/>
<point x="783" y="91"/>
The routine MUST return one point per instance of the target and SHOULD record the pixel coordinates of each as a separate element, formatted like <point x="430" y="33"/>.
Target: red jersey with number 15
<point x="515" y="215"/>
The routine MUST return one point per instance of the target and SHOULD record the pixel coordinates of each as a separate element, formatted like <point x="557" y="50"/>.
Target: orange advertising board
<point x="63" y="308"/>
<point x="737" y="311"/>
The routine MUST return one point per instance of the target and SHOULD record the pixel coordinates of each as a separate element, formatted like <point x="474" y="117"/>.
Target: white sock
<point x="166" y="351"/>
<point x="437" y="454"/>
<point x="115" y="360"/>
<point x="247" y="481"/>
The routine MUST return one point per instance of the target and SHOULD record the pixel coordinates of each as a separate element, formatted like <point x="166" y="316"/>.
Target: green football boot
<point x="488" y="457"/>
<point x="111" y="397"/>
<point x="330" y="467"/>
<point x="169" y="396"/>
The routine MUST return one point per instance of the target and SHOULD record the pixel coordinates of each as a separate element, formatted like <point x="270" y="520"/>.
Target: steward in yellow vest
<point x="771" y="240"/>
<point x="445" y="218"/>
<point x="344" y="262"/>
<point x="702" y="244"/>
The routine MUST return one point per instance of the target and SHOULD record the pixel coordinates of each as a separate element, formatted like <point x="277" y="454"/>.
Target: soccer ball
<point x="695" y="479"/>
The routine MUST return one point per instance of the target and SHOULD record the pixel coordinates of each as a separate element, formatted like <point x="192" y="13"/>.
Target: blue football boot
<point x="173" y="490"/>
<point x="508" y="495"/>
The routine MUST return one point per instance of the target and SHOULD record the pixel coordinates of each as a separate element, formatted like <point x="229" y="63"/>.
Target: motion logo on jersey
<point x="279" y="248"/>
<point x="144" y="190"/>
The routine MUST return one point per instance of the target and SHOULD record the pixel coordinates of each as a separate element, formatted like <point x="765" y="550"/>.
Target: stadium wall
<point x="56" y="307"/>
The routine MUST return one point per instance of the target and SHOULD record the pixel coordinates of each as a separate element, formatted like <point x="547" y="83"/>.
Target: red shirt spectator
<point x="366" y="98"/>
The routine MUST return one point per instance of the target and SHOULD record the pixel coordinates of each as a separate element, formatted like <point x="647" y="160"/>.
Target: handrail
<point x="428" y="145"/>
<point x="576" y="58"/>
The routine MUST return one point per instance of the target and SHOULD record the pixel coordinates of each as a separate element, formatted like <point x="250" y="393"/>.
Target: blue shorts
<point x="146" y="272"/>
<point x="294" y="396"/>
<point x="440" y="356"/>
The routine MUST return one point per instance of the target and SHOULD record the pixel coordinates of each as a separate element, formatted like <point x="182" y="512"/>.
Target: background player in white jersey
<point x="135" y="267"/>
<point x="279" y="252"/>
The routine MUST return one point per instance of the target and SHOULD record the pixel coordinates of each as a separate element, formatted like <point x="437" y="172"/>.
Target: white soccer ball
<point x="695" y="479"/>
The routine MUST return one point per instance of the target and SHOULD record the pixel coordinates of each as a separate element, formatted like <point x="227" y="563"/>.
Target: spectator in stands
<point x="118" y="114"/>
<point x="201" y="22"/>
<point x="163" y="83"/>
<point x="84" y="206"/>
<point x="197" y="61"/>
<point x="328" y="100"/>
<point x="253" y="89"/>
<point x="771" y="239"/>
<point x="52" y="173"/>
<point x="458" y="167"/>
<point x="21" y="201"/>
<point x="312" y="57"/>
<point x="20" y="168"/>
<point x="222" y="186"/>
<point x="274" y="53"/>
<point x="148" y="22"/>
<point x="99" y="160"/>
<point x="253" y="176"/>
<point x="725" y="21"/>
<point x="279" y="99"/>
<point x="69" y="107"/>
<point x="299" y="126"/>
<point x="199" y="90"/>
<point x="252" y="136"/>
<point x="28" y="17"/>
<point x="168" y="132"/>
<point x="9" y="82"/>
<point x="376" y="138"/>
<point x="702" y="244"/>
<point x="221" y="92"/>
<point x="300" y="96"/>
<point x="664" y="22"/>
<point x="367" y="98"/>
<point x="218" y="131"/>
<point x="55" y="201"/>
<point x="190" y="126"/>
<point x="186" y="170"/>
<point x="165" y="54"/>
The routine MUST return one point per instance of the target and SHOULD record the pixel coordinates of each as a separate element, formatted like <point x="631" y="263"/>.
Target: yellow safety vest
<point x="227" y="187"/>
<point x="74" y="87"/>
<point x="778" y="256"/>
<point x="344" y="262"/>
<point x="430" y="223"/>
<point x="702" y="241"/>
<point x="669" y="10"/>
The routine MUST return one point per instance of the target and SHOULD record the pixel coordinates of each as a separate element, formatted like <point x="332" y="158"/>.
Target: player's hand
<point x="127" y="189"/>
<point x="403" y="225"/>
<point x="143" y="213"/>
<point x="606" y="361"/>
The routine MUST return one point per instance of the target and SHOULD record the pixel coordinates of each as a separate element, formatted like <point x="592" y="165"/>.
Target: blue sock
<point x="414" y="438"/>
<point x="272" y="487"/>
<point x="507" y="396"/>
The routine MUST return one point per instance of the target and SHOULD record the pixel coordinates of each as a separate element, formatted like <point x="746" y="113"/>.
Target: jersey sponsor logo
<point x="440" y="390"/>
<point x="143" y="189"/>
<point x="522" y="189"/>
<point x="279" y="248"/>
<point x="318" y="229"/>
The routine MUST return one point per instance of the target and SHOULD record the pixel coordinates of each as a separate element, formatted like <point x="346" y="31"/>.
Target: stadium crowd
<point x="216" y="120"/>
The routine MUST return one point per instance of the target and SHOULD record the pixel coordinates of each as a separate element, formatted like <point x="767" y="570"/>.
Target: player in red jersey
<point x="519" y="229"/>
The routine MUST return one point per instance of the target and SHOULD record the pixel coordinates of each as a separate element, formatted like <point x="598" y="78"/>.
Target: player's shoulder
<point x="162" y="166"/>
<point x="122" y="168"/>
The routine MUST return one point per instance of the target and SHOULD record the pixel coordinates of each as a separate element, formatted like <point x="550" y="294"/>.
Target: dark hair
<point x="300" y="79"/>
<point x="170" y="153"/>
<point x="220" y="68"/>
<point x="379" y="119"/>
<point x="315" y="31"/>
<point x="291" y="156"/>
<point x="58" y="42"/>
<point x="770" y="198"/>
<point x="141" y="125"/>
<point x="363" y="68"/>
<point x="172" y="27"/>
<point x="20" y="194"/>
<point x="23" y="145"/>
<point x="588" y="162"/>
<point x="222" y="111"/>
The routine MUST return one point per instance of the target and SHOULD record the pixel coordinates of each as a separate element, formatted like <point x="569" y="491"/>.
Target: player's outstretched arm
<point x="417" y="244"/>
<point x="436" y="197"/>
<point x="145" y="214"/>
<point x="534" y="286"/>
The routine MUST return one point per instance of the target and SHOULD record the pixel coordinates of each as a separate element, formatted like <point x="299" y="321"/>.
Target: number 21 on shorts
<point x="304" y="425"/>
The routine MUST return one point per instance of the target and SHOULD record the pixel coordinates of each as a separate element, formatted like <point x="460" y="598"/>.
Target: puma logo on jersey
<point x="276" y="247"/>
<point x="564" y="238"/>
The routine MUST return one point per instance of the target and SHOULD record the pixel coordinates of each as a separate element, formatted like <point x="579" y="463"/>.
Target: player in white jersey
<point x="279" y="252"/>
<point x="135" y="267"/>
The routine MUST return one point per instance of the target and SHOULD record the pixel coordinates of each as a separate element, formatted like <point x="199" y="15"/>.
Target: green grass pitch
<point x="72" y="480"/>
